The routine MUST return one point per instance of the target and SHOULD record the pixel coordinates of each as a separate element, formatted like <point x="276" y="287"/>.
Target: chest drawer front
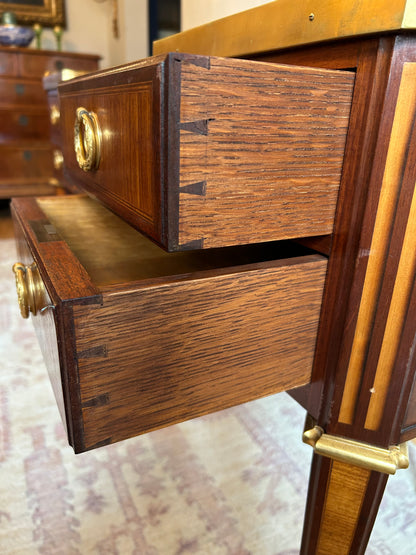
<point x="212" y="152"/>
<point x="8" y="63"/>
<point x="35" y="65"/>
<point x="21" y="92"/>
<point x="18" y="125"/>
<point x="152" y="338"/>
<point x="29" y="161"/>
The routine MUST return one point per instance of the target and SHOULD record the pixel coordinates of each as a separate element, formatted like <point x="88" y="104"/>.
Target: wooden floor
<point x="6" y="225"/>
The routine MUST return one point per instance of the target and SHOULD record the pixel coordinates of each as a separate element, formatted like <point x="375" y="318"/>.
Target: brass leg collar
<point x="353" y="452"/>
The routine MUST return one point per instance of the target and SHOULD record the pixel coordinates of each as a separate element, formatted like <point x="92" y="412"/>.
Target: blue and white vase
<point x="12" y="34"/>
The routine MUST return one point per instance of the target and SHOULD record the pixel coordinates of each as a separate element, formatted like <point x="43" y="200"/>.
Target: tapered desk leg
<point x="342" y="505"/>
<point x="362" y="386"/>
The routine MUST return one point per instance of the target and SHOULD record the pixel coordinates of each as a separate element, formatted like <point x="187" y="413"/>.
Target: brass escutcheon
<point x="87" y="139"/>
<point x="30" y="289"/>
<point x="55" y="114"/>
<point x="58" y="159"/>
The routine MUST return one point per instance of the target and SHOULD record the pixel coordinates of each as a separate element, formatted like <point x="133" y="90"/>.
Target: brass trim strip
<point x="357" y="453"/>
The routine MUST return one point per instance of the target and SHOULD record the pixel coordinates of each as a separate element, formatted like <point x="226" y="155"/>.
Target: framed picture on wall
<point x="47" y="13"/>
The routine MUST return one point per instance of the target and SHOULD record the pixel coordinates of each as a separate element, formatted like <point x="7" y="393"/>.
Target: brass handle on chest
<point x="87" y="140"/>
<point x="55" y="114"/>
<point x="30" y="289"/>
<point x="58" y="159"/>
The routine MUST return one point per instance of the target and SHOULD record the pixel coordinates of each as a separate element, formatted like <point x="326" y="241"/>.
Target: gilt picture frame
<point x="48" y="13"/>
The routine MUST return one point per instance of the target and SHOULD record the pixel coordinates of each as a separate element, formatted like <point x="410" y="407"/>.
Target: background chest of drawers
<point x="26" y="152"/>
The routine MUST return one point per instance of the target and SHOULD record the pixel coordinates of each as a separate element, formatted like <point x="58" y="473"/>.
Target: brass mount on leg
<point x="354" y="452"/>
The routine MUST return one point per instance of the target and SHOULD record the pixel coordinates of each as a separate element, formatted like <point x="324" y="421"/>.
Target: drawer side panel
<point x="268" y="157"/>
<point x="156" y="356"/>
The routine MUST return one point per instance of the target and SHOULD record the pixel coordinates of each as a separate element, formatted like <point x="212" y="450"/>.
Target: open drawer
<point x="136" y="338"/>
<point x="202" y="152"/>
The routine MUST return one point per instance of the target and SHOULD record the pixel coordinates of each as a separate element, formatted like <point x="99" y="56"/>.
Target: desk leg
<point x="342" y="505"/>
<point x="362" y="384"/>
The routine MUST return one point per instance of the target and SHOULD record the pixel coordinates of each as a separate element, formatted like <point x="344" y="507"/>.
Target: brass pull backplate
<point x="87" y="139"/>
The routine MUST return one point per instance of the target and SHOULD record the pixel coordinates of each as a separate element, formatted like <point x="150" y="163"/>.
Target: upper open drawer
<point x="201" y="152"/>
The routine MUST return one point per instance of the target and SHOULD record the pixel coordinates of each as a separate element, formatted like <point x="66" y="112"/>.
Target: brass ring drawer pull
<point x="87" y="140"/>
<point x="30" y="289"/>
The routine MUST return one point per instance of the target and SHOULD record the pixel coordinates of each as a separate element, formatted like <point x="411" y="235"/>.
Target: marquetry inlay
<point x="377" y="260"/>
<point x="395" y="321"/>
<point x="344" y="498"/>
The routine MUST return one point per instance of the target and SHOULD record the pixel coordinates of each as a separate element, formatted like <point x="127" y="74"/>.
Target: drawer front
<point x="206" y="152"/>
<point x="36" y="65"/>
<point x="128" y="179"/>
<point x="138" y="355"/>
<point x="20" y="92"/>
<point x="18" y="125"/>
<point x="8" y="63"/>
<point x="44" y="324"/>
<point x="29" y="161"/>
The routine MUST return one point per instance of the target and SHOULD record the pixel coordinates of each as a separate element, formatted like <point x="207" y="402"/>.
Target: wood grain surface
<point x="192" y="337"/>
<point x="272" y="153"/>
<point x="152" y="356"/>
<point x="345" y="493"/>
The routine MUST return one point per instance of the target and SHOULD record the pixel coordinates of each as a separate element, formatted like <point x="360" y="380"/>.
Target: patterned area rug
<point x="233" y="483"/>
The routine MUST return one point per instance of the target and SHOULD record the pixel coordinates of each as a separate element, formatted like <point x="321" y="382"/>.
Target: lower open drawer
<point x="135" y="338"/>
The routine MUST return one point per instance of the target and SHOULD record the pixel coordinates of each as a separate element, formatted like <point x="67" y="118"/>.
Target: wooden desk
<point x="362" y="384"/>
<point x="360" y="392"/>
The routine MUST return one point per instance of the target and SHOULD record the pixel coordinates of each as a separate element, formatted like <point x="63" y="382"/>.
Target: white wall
<point x="198" y="12"/>
<point x="136" y="30"/>
<point x="89" y="26"/>
<point x="89" y="30"/>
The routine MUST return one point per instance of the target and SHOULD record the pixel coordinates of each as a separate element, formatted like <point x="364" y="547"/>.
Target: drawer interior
<point x="112" y="252"/>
